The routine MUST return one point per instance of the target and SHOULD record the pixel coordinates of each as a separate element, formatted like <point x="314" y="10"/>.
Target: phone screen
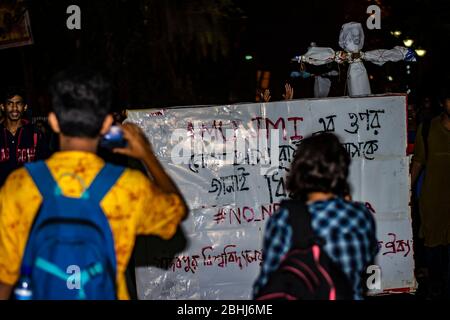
<point x="113" y="139"/>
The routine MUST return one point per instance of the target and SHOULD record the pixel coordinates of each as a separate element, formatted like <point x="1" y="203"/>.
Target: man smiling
<point x="20" y="141"/>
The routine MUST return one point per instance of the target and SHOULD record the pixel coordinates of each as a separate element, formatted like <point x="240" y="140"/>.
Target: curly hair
<point x="321" y="164"/>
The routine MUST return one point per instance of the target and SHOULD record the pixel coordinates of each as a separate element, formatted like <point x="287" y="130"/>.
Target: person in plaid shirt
<point x="318" y="176"/>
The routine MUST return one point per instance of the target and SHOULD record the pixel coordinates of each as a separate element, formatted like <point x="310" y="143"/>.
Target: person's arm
<point x="11" y="246"/>
<point x="139" y="148"/>
<point x="5" y="291"/>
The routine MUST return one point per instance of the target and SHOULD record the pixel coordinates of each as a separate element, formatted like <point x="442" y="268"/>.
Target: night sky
<point x="165" y="53"/>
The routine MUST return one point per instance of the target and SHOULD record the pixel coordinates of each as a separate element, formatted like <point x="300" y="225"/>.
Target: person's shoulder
<point x="435" y="126"/>
<point x="134" y="178"/>
<point x="355" y="206"/>
<point x="27" y="124"/>
<point x="30" y="127"/>
<point x="360" y="211"/>
<point x="19" y="175"/>
<point x="436" y="118"/>
<point x="18" y="181"/>
<point x="436" y="121"/>
<point x="280" y="216"/>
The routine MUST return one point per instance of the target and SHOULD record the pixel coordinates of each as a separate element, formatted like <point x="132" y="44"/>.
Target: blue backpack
<point x="70" y="250"/>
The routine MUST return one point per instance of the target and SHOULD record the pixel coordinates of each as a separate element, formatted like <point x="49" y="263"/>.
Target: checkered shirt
<point x="347" y="228"/>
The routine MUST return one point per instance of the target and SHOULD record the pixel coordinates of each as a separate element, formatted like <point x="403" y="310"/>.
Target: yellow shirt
<point x="133" y="206"/>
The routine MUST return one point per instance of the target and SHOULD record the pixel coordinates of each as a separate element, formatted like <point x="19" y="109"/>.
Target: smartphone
<point x="113" y="139"/>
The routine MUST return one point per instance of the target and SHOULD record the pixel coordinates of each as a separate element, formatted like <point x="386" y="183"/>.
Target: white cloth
<point x="321" y="87"/>
<point x="351" y="40"/>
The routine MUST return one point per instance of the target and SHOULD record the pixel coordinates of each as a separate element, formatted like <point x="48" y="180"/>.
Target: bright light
<point x="421" y="52"/>
<point x="248" y="57"/>
<point x="408" y="42"/>
<point x="396" y="33"/>
<point x="390" y="78"/>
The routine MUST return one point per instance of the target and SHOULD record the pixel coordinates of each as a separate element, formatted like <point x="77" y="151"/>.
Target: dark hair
<point x="81" y="100"/>
<point x="321" y="164"/>
<point x="14" y="91"/>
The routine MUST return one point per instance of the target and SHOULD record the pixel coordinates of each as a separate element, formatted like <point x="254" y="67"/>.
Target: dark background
<point x="164" y="53"/>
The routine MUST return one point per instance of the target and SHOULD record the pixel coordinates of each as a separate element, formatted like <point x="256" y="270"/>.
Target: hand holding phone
<point x="138" y="146"/>
<point x="114" y="139"/>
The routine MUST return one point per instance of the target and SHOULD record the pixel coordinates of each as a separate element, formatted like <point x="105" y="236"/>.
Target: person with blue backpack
<point x="68" y="225"/>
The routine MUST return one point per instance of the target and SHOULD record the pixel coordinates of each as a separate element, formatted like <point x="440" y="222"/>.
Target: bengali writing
<point x="369" y="121"/>
<point x="251" y="157"/>
<point x="293" y="131"/>
<point x="229" y="256"/>
<point x="358" y="123"/>
<point x="215" y="136"/>
<point x="209" y="256"/>
<point x="395" y="246"/>
<point x="230" y="184"/>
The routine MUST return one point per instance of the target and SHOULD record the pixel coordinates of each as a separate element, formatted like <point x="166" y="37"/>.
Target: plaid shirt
<point x="348" y="229"/>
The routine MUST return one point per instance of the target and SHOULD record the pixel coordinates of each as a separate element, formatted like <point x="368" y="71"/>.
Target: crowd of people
<point x="58" y="187"/>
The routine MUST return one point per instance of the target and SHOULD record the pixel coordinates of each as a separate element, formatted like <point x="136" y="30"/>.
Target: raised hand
<point x="289" y="92"/>
<point x="266" y="95"/>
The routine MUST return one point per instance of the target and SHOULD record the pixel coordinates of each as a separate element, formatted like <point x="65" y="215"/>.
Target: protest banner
<point x="233" y="185"/>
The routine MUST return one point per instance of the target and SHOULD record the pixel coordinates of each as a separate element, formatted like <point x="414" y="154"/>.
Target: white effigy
<point x="351" y="40"/>
<point x="231" y="198"/>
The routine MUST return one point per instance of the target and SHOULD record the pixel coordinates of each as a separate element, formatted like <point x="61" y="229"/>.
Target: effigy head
<point x="351" y="38"/>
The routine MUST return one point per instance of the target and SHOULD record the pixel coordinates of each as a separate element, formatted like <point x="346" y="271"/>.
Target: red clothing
<point x="27" y="145"/>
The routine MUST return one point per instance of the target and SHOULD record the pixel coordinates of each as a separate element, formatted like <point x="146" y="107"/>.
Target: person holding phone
<point x="134" y="205"/>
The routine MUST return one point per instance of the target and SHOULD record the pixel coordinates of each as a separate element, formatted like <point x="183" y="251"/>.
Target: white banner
<point x="231" y="196"/>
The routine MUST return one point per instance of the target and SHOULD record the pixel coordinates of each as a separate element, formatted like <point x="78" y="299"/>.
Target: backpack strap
<point x="42" y="178"/>
<point x="104" y="181"/>
<point x="300" y="221"/>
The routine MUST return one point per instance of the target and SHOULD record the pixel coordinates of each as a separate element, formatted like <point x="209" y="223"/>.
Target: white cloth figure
<point x="351" y="40"/>
<point x="321" y="87"/>
<point x="322" y="84"/>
